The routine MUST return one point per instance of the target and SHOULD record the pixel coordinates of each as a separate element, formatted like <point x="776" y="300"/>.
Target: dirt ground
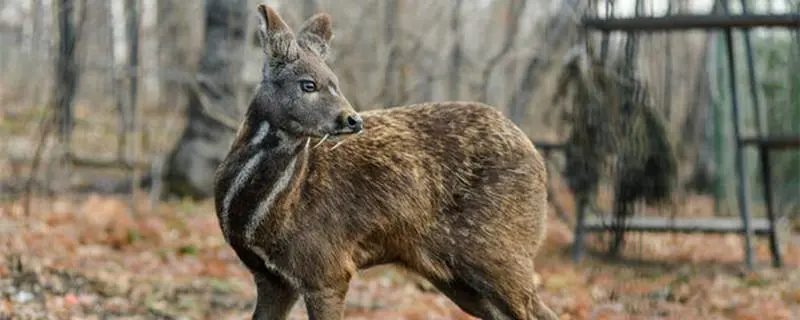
<point x="84" y="257"/>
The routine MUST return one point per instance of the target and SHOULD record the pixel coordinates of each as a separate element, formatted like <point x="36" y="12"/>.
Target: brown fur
<point x="453" y="191"/>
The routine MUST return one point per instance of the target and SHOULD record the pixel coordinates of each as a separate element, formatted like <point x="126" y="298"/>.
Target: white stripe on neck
<point x="261" y="133"/>
<point x="238" y="183"/>
<point x="271" y="266"/>
<point x="263" y="208"/>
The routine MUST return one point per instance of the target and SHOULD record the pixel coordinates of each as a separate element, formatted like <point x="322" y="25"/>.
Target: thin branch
<point x="100" y="163"/>
<point x="45" y="126"/>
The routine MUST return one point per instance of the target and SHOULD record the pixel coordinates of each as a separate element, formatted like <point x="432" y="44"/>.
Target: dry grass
<point x="82" y="256"/>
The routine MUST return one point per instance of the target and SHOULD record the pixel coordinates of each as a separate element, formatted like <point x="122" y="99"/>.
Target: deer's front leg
<point x="327" y="302"/>
<point x="275" y="297"/>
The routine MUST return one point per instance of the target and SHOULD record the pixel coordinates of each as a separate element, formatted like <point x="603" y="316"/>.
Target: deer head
<point x="299" y="93"/>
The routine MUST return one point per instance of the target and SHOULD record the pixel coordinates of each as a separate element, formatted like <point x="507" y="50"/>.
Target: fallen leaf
<point x="71" y="300"/>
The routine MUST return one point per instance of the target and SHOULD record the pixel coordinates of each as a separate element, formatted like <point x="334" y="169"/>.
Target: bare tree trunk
<point x="456" y="52"/>
<point x="667" y="97"/>
<point x="116" y="88"/>
<point x="132" y="32"/>
<point x="310" y="7"/>
<point x="35" y="54"/>
<point x="178" y="49"/>
<point x="697" y="132"/>
<point x="127" y="109"/>
<point x="515" y="9"/>
<point x="132" y="24"/>
<point x="178" y="36"/>
<point x="427" y="90"/>
<point x="390" y="80"/>
<point x="206" y="138"/>
<point x="170" y="20"/>
<point x="38" y="25"/>
<point x="557" y="28"/>
<point x="524" y="93"/>
<point x="67" y="72"/>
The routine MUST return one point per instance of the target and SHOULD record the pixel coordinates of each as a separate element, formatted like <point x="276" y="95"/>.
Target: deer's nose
<point x="354" y="122"/>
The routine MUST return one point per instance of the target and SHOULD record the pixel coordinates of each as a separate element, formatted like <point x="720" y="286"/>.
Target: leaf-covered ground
<point x="83" y="257"/>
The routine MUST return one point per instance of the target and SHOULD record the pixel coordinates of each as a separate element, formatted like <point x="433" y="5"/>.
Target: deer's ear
<point x="277" y="39"/>
<point x="316" y="34"/>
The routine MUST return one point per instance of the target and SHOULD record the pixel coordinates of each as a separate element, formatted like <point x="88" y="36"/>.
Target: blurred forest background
<point x="114" y="114"/>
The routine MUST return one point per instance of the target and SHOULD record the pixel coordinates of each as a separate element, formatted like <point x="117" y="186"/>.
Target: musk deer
<point x="311" y="191"/>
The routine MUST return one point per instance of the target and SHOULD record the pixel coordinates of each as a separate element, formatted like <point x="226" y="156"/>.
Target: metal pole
<point x="693" y="21"/>
<point x="751" y="75"/>
<point x="743" y="192"/>
<point x="580" y="228"/>
<point x="774" y="245"/>
<point x="763" y="151"/>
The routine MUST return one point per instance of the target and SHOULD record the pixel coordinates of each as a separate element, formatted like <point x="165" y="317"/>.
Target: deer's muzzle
<point x="351" y="123"/>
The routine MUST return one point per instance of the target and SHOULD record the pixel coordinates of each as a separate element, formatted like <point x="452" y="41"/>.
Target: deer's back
<point x="457" y="134"/>
<point x="418" y="167"/>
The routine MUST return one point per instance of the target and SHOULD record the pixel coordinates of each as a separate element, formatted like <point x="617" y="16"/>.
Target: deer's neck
<point x="264" y="164"/>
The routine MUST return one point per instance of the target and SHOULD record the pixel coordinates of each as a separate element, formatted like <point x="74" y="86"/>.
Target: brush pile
<point x="615" y="135"/>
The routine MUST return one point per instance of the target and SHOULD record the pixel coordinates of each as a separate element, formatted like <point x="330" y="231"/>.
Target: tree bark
<point x="697" y="133"/>
<point x="66" y="72"/>
<point x="132" y="23"/>
<point x="310" y="7"/>
<point x="132" y="26"/>
<point x="667" y="96"/>
<point x="557" y="28"/>
<point x="37" y="25"/>
<point x="175" y="48"/>
<point x="456" y="53"/>
<point x="390" y="79"/>
<point x="514" y="13"/>
<point x="206" y="139"/>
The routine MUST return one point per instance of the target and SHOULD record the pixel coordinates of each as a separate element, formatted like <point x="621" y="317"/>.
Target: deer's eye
<point x="308" y="86"/>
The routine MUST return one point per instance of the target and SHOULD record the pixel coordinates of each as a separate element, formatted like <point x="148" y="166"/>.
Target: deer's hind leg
<point x="496" y="263"/>
<point x="509" y="211"/>
<point x="492" y="293"/>
<point x="489" y="237"/>
<point x="497" y="293"/>
<point x="469" y="300"/>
